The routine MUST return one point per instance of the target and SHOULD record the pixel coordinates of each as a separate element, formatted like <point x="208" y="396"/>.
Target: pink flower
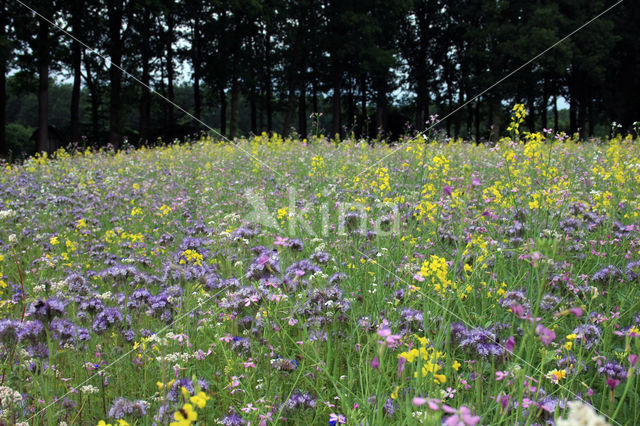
<point x="612" y="383"/>
<point x="434" y="404"/>
<point x="226" y="338"/>
<point x="501" y="375"/>
<point x="401" y="365"/>
<point x="280" y="241"/>
<point x="393" y="341"/>
<point x="576" y="311"/>
<point x="510" y="344"/>
<point x="518" y="310"/>
<point x="384" y="332"/>
<point x="449" y="393"/>
<point x="375" y="363"/>
<point x="418" y="401"/>
<point x="249" y="408"/>
<point x="633" y="359"/>
<point x="546" y="335"/>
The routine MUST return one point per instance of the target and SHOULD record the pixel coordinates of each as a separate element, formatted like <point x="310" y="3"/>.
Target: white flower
<point x="89" y="389"/>
<point x="6" y="214"/>
<point x="582" y="414"/>
<point x="13" y="239"/>
<point x="105" y="296"/>
<point x="9" y="397"/>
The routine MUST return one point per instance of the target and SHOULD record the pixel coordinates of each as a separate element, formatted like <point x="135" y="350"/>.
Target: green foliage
<point x="20" y="141"/>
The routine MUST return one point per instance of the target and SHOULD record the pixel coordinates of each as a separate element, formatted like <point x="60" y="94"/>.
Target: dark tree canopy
<point x="371" y="67"/>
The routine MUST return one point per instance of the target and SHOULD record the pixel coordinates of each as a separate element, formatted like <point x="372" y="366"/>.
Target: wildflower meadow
<point x="277" y="280"/>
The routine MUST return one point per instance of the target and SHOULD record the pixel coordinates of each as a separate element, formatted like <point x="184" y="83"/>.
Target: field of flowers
<point x="275" y="281"/>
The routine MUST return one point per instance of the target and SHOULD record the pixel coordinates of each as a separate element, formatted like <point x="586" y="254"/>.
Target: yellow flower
<point x="394" y="394"/>
<point x="409" y="356"/>
<point x="185" y="416"/>
<point x="54" y="241"/>
<point x="423" y="340"/>
<point x="456" y="365"/>
<point x="103" y="423"/>
<point x="185" y="392"/>
<point x="557" y="375"/>
<point x="122" y="422"/>
<point x="200" y="400"/>
<point x="439" y="378"/>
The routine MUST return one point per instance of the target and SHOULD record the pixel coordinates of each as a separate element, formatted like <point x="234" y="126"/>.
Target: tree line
<point x="372" y="67"/>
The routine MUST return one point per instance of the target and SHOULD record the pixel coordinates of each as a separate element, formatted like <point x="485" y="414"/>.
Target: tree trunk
<point x="254" y="112"/>
<point x="197" y="63"/>
<point x="171" y="123"/>
<point x="456" y="120"/>
<point x="470" y="114"/>
<point x="477" y="120"/>
<point x="302" y="114"/>
<point x="223" y="110"/>
<point x="573" y="104"/>
<point x="314" y="96"/>
<point x="43" y="87"/>
<point x="449" y="108"/>
<point x="95" y="100"/>
<point x="582" y="114"/>
<point x="591" y="114"/>
<point x="76" y="63"/>
<point x="555" y="113"/>
<point x="381" y="112"/>
<point x="4" y="147"/>
<point x="145" y="99"/>
<point x="363" y="99"/>
<point x="531" y="117"/>
<point x="291" y="107"/>
<point x="267" y="82"/>
<point x="75" y="93"/>
<point x="544" y="106"/>
<point x="335" y="104"/>
<point x="420" y="117"/>
<point x="115" y="75"/>
<point x="235" y="98"/>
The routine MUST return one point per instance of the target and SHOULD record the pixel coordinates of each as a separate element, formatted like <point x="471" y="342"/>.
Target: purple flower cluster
<point x="478" y="341"/>
<point x="265" y="265"/>
<point x="299" y="400"/>
<point x="107" y="318"/>
<point x="122" y="407"/>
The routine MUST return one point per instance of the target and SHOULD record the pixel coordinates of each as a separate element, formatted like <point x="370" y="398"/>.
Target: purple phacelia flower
<point x="122" y="407"/>
<point x="66" y="332"/>
<point x="588" y="335"/>
<point x="107" y="318"/>
<point x="482" y="342"/>
<point x="613" y="370"/>
<point x="48" y="309"/>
